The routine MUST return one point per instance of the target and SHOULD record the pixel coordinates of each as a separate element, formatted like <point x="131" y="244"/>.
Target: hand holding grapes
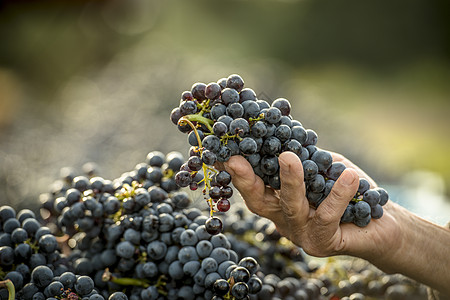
<point x="394" y="243"/>
<point x="317" y="231"/>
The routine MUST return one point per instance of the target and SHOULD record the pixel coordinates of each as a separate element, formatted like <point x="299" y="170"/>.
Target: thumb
<point x="333" y="207"/>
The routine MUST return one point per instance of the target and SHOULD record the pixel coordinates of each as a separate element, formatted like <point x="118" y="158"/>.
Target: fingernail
<point x="346" y="178"/>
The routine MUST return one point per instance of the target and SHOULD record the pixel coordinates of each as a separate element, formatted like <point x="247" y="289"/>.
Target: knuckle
<point x="324" y="216"/>
<point x="337" y="193"/>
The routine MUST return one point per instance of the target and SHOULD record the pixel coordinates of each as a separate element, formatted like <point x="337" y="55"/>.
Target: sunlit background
<point x="96" y="81"/>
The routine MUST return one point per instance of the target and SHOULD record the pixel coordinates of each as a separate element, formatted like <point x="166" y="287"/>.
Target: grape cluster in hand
<point x="223" y="119"/>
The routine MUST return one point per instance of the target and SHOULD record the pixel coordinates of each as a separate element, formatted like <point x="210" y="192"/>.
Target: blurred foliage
<point x="86" y="80"/>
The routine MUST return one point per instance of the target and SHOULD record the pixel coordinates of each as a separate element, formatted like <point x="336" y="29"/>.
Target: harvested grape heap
<point x="223" y="119"/>
<point x="136" y="237"/>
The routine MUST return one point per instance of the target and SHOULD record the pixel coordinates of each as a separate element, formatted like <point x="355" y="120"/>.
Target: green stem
<point x="107" y="276"/>
<point x="10" y="286"/>
<point x="199" y="119"/>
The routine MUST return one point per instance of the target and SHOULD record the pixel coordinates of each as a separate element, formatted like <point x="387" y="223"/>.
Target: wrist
<point x="413" y="247"/>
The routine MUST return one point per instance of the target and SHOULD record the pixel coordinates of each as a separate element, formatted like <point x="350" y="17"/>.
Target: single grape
<point x="183" y="178"/>
<point x="223" y="205"/>
<point x="235" y="81"/>
<point x="235" y="110"/>
<point x="198" y="91"/>
<point x="372" y="197"/>
<point x="213" y="225"/>
<point x="229" y="96"/>
<point x="248" y="146"/>
<point x="272" y="115"/>
<point x="220" y="128"/>
<point x="212" y="91"/>
<point x="283" y="105"/>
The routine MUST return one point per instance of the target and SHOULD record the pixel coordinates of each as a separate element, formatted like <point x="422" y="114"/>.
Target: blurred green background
<point x="96" y="80"/>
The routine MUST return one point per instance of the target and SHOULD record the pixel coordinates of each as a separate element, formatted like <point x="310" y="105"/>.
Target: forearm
<point x="422" y="253"/>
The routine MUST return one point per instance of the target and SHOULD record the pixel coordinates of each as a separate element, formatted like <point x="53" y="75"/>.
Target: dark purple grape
<point x="362" y="209"/>
<point x="220" y="128"/>
<point x="271" y="146"/>
<point x="283" y="105"/>
<point x="299" y="133"/>
<point x="183" y="179"/>
<point x="155" y="159"/>
<point x="285" y="120"/>
<point x="269" y="164"/>
<point x="311" y="137"/>
<point x="222" y="82"/>
<point x="235" y="110"/>
<point x="236" y="82"/>
<point x="384" y="196"/>
<point x="376" y="211"/>
<point x="223" y="178"/>
<point x="348" y="215"/>
<point x="226" y="192"/>
<point x="262" y="104"/>
<point x="254" y="285"/>
<point x="209" y="157"/>
<point x="316" y="184"/>
<point x="192" y="137"/>
<point x="248" y="146"/>
<point x="272" y="115"/>
<point x="250" y="264"/>
<point x="195" y="163"/>
<point x="214" y="193"/>
<point x="221" y="287"/>
<point x="188" y="108"/>
<point x="328" y="186"/>
<point x="335" y="170"/>
<point x="229" y="96"/>
<point x="6" y="213"/>
<point x="247" y="94"/>
<point x="213" y="225"/>
<point x="310" y="169"/>
<point x="311" y="150"/>
<point x="251" y="109"/>
<point x="212" y="143"/>
<point x="218" y="111"/>
<point x="239" y="126"/>
<point x="274" y="181"/>
<point x="212" y="91"/>
<point x="283" y="133"/>
<point x="293" y="146"/>
<point x="198" y="91"/>
<point x="372" y="197"/>
<point x="223" y="154"/>
<point x="259" y="129"/>
<point x="240" y="274"/>
<point x="323" y="159"/>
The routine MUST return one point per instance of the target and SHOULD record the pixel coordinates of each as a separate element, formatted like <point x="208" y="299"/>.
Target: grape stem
<point x="108" y="276"/>
<point x="10" y="286"/>
<point x="206" y="170"/>
<point x="196" y="118"/>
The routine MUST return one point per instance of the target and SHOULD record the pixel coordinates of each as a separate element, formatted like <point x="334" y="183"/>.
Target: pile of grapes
<point x="223" y="119"/>
<point x="138" y="237"/>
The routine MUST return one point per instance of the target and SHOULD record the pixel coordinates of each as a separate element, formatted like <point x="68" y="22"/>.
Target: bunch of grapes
<point x="223" y="119"/>
<point x="29" y="254"/>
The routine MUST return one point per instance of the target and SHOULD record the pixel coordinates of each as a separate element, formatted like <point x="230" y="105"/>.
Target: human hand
<point x="318" y="231"/>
